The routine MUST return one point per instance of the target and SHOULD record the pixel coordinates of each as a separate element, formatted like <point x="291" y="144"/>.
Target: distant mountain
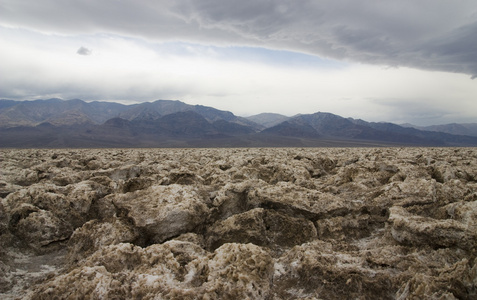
<point x="7" y="103"/>
<point x="158" y="108"/>
<point x="165" y="107"/>
<point x="453" y="128"/>
<point x="230" y="128"/>
<point x="72" y="117"/>
<point x="327" y="124"/>
<point x="432" y="137"/>
<point x="268" y="119"/>
<point x="31" y="113"/>
<point x="165" y="123"/>
<point x="292" y="128"/>
<point x="184" y="124"/>
<point x="330" y="126"/>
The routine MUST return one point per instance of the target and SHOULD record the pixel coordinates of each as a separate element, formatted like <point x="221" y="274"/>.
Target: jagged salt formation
<point x="239" y="223"/>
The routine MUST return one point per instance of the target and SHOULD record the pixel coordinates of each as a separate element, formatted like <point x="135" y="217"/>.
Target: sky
<point x="406" y="61"/>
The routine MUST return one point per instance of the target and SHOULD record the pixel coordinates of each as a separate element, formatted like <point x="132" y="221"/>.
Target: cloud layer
<point x="432" y="35"/>
<point x="401" y="61"/>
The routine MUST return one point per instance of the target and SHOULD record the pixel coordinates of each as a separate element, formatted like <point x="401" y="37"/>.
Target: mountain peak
<point x="268" y="119"/>
<point x="169" y="123"/>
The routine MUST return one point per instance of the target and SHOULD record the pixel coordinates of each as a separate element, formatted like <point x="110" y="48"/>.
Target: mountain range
<point x="166" y="123"/>
<point x="453" y="128"/>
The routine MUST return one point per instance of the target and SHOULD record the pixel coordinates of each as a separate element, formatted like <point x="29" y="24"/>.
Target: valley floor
<point x="239" y="223"/>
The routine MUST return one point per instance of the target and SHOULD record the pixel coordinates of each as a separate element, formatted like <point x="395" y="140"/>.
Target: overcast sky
<point x="396" y="60"/>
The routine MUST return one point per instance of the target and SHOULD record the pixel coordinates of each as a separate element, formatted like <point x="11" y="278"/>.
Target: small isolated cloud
<point x="84" y="51"/>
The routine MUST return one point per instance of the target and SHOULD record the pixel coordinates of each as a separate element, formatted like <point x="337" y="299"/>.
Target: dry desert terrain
<point x="245" y="223"/>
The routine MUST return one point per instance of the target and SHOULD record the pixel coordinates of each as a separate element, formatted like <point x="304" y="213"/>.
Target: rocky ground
<point x="329" y="223"/>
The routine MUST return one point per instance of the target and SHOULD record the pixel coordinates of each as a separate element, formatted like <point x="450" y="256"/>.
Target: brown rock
<point x="346" y="227"/>
<point x="417" y="230"/>
<point x="316" y="270"/>
<point x="173" y="270"/>
<point x="162" y="212"/>
<point x="312" y="223"/>
<point x="95" y="235"/>
<point x="262" y="227"/>
<point x="301" y="202"/>
<point x="40" y="229"/>
<point x="239" y="271"/>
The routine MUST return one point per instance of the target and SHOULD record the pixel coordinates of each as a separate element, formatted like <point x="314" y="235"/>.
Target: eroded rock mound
<point x="239" y="224"/>
<point x="161" y="212"/>
<point x="267" y="228"/>
<point x="172" y="270"/>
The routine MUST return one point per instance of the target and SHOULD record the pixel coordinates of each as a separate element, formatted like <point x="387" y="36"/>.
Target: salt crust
<point x="239" y="223"/>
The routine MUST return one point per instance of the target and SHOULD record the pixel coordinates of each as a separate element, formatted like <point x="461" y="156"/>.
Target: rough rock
<point x="162" y="212"/>
<point x="95" y="234"/>
<point x="418" y="230"/>
<point x="3" y="220"/>
<point x="299" y="201"/>
<point x="38" y="228"/>
<point x="266" y="228"/>
<point x="239" y="271"/>
<point x="316" y="270"/>
<point x="312" y="223"/>
<point x="173" y="270"/>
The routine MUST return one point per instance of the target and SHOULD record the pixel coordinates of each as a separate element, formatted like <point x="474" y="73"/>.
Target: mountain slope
<point x="166" y="107"/>
<point x="292" y="128"/>
<point x="453" y="128"/>
<point x="165" y="123"/>
<point x="7" y="103"/>
<point x="432" y="136"/>
<point x="268" y="119"/>
<point x="328" y="125"/>
<point x="159" y="107"/>
<point x="31" y="113"/>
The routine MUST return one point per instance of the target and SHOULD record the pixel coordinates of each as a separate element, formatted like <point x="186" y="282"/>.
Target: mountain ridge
<point x="268" y="119"/>
<point x="452" y="128"/>
<point x="172" y="123"/>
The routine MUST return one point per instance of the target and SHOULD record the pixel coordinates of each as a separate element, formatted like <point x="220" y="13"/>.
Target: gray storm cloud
<point x="431" y="35"/>
<point x="84" y="51"/>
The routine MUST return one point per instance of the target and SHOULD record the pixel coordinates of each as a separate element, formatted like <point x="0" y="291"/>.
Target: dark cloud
<point x="432" y="35"/>
<point x="84" y="51"/>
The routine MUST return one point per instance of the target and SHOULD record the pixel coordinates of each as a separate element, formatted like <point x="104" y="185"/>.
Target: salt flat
<point x="244" y="223"/>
